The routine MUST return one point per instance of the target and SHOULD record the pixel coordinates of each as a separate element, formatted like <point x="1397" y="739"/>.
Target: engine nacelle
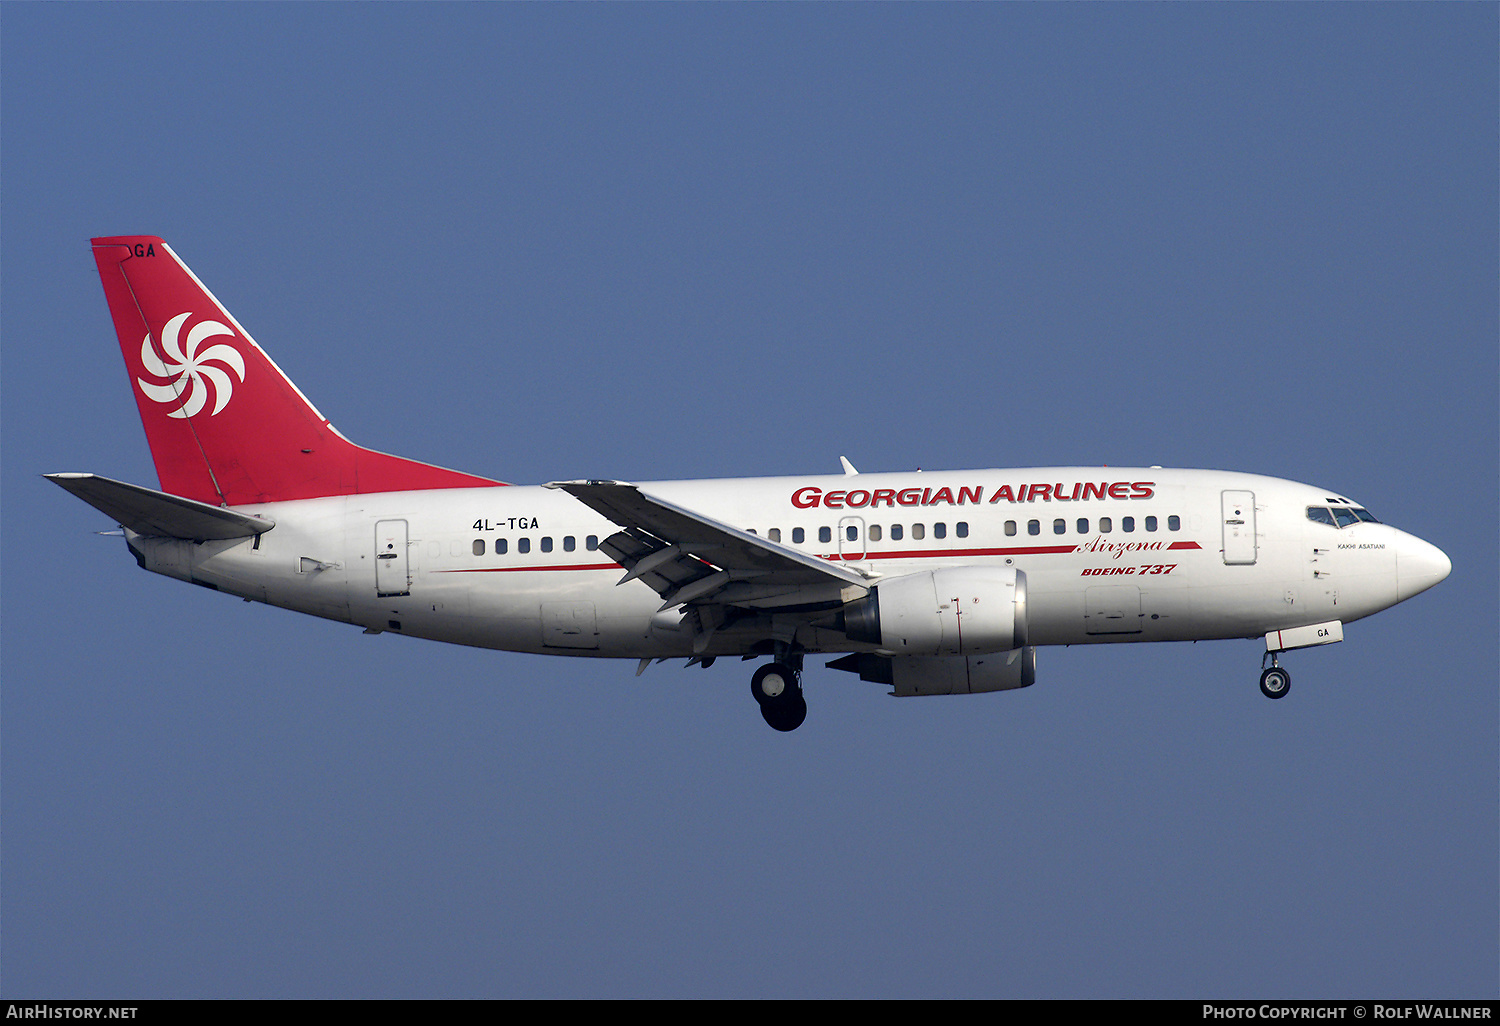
<point x="961" y="610"/>
<point x="972" y="675"/>
<point x="910" y="676"/>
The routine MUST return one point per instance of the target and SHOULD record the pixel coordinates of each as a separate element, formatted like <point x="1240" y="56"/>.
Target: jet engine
<point x="962" y="610"/>
<point x="945" y="675"/>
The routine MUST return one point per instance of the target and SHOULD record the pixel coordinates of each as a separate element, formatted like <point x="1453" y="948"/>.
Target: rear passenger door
<point x="392" y="561"/>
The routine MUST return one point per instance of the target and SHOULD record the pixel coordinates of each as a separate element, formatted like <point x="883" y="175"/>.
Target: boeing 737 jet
<point x="930" y="583"/>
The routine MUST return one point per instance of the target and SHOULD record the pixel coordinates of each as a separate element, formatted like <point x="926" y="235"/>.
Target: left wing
<point x="693" y="560"/>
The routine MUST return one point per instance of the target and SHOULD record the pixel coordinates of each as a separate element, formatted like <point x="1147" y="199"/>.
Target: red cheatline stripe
<point x="515" y="569"/>
<point x="1033" y="550"/>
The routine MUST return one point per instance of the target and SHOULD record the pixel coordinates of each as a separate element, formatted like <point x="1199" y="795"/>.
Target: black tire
<point x="778" y="691"/>
<point x="1275" y="682"/>
<point x="786" y="713"/>
<point x="771" y="682"/>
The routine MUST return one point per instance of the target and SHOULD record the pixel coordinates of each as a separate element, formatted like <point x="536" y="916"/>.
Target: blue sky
<point x="658" y="241"/>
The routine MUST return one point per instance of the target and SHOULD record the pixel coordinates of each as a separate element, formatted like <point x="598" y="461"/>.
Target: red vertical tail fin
<point x="225" y="425"/>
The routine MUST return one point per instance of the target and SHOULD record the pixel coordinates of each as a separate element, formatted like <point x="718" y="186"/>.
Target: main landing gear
<point x="778" y="691"/>
<point x="1275" y="682"/>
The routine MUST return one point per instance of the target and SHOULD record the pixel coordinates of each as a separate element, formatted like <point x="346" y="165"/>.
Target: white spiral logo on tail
<point x="188" y="372"/>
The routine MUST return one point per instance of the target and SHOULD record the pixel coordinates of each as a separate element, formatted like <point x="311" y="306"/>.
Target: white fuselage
<point x="1109" y="555"/>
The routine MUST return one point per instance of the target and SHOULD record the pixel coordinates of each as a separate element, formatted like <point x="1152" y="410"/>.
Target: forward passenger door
<point x="1238" y="510"/>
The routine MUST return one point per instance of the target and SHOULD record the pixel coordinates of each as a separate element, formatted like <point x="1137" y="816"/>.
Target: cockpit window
<point x="1339" y="516"/>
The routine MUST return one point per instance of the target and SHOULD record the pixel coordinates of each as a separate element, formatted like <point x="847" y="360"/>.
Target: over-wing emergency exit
<point x="930" y="583"/>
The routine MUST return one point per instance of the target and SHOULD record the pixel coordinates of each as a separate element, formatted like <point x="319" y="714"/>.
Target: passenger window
<point x="591" y="542"/>
<point x="940" y="530"/>
<point x="895" y="532"/>
<point x="1010" y="528"/>
<point x="1174" y="523"/>
<point x="774" y="534"/>
<point x="1150" y="523"/>
<point x="749" y="530"/>
<point x="570" y="543"/>
<point x="546" y="544"/>
<point x="1033" y="527"/>
<point x="874" y="532"/>
<point x="1059" y="526"/>
<point x="1127" y="524"/>
<point x="918" y="532"/>
<point x="825" y="534"/>
<point x="478" y="546"/>
<point x="1083" y="525"/>
<point x="1106" y="525"/>
<point x="523" y="544"/>
<point x="851" y="532"/>
<point x="500" y="546"/>
<point x="1345" y="517"/>
<point x="798" y="535"/>
<point x="962" y="527"/>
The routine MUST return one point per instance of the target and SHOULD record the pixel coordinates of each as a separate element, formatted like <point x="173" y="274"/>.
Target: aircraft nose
<point x="1419" y="565"/>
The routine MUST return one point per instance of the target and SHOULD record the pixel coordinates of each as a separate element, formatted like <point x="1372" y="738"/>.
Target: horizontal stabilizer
<point x="149" y="512"/>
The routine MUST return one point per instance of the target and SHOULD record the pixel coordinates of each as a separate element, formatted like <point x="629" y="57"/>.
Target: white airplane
<point x="932" y="583"/>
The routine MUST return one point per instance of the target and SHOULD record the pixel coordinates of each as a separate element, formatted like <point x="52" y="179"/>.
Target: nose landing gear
<point x="1275" y="682"/>
<point x="778" y="691"/>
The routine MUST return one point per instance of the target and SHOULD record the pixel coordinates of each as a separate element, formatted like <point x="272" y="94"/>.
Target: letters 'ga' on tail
<point x="225" y="425"/>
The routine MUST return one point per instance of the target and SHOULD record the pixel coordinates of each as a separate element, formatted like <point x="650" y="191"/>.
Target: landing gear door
<point x="1112" y="609"/>
<point x="569" y="625"/>
<point x="392" y="562"/>
<point x="1239" y="528"/>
